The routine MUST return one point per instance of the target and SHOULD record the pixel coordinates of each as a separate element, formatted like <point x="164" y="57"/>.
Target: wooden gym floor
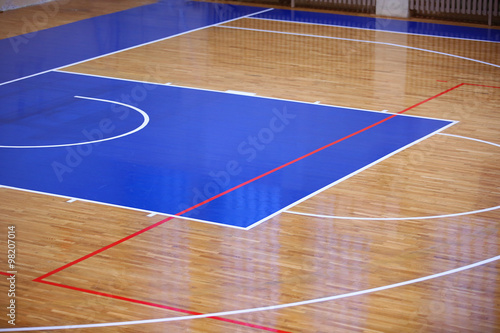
<point x="410" y="244"/>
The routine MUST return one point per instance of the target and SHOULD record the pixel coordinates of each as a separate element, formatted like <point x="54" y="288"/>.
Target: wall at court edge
<point x="12" y="4"/>
<point x="392" y="8"/>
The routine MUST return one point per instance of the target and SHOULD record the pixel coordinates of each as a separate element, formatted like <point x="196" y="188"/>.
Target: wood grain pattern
<point x="205" y="268"/>
<point x="58" y="12"/>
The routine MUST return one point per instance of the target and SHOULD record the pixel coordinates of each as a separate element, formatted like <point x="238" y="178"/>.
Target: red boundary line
<point x="480" y="85"/>
<point x="238" y="186"/>
<point x="41" y="278"/>
<point x="162" y="306"/>
<point x="6" y="274"/>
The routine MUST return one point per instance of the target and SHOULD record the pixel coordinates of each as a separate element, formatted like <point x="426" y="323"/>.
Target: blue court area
<point x="164" y="149"/>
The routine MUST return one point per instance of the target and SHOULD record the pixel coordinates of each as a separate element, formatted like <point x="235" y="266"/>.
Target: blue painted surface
<point x="52" y="48"/>
<point x="197" y="144"/>
<point x="432" y="29"/>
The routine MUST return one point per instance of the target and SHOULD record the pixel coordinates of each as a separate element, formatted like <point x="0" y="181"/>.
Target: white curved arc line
<point x="264" y="308"/>
<point x="144" y="123"/>
<point x="393" y="218"/>
<point x="361" y="41"/>
<point x="374" y="30"/>
<point x="408" y="218"/>
<point x="472" y="139"/>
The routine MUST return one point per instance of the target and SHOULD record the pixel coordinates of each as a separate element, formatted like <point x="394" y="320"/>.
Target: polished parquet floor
<point x="432" y="208"/>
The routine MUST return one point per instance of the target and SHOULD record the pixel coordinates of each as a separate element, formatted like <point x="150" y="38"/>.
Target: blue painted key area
<point x="196" y="145"/>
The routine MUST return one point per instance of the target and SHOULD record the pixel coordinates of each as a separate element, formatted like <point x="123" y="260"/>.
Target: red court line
<point x="480" y="85"/>
<point x="431" y="98"/>
<point x="240" y="185"/>
<point x="40" y="279"/>
<point x="162" y="306"/>
<point x="6" y="274"/>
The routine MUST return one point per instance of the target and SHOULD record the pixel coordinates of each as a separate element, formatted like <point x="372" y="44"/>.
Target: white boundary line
<point x="139" y="45"/>
<point x="375" y="30"/>
<point x="255" y="96"/>
<point x="285" y="209"/>
<point x="144" y="124"/>
<point x="264" y="308"/>
<point x="358" y="40"/>
<point x="122" y="207"/>
<point x="408" y="218"/>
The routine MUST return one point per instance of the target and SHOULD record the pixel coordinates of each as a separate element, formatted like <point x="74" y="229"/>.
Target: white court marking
<point x="244" y="93"/>
<point x="135" y="46"/>
<point x="144" y="123"/>
<point x="264" y="308"/>
<point x="360" y="41"/>
<point x="372" y="29"/>
<point x="255" y="96"/>
<point x="408" y="218"/>
<point x="123" y="207"/>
